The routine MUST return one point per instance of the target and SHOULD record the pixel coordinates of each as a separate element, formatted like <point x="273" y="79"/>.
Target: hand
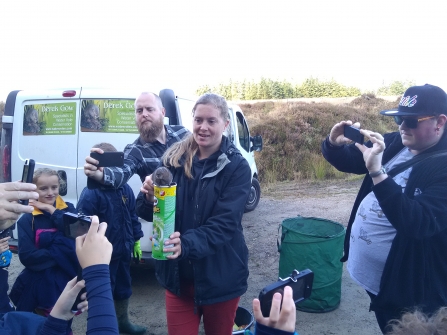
<point x="336" y="136"/>
<point x="148" y="188"/>
<point x="10" y="209"/>
<point x="62" y="308"/>
<point x="93" y="248"/>
<point x="372" y="156"/>
<point x="176" y="248"/>
<point x="42" y="206"/>
<point x="4" y="244"/>
<point x="91" y="168"/>
<point x="283" y="320"/>
<point x="137" y="253"/>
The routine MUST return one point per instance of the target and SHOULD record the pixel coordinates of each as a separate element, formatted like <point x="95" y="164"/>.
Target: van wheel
<point x="254" y="196"/>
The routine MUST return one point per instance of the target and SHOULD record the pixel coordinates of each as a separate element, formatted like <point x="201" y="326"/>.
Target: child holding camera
<point x="48" y="256"/>
<point x="117" y="208"/>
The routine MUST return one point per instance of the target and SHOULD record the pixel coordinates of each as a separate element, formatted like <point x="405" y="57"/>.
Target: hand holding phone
<point x="27" y="176"/>
<point x="282" y="313"/>
<point x="353" y="134"/>
<point x="300" y="282"/>
<point x="109" y="158"/>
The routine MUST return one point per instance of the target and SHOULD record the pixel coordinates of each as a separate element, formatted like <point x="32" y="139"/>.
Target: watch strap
<point x="377" y="173"/>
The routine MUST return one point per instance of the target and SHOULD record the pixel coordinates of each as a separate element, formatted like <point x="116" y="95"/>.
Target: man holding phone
<point x="396" y="237"/>
<point x="141" y="157"/>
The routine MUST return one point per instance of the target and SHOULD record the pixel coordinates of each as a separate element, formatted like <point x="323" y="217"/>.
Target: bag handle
<point x="415" y="160"/>
<point x="283" y="235"/>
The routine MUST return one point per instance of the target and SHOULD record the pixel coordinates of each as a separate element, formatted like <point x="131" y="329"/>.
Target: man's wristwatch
<point x="377" y="173"/>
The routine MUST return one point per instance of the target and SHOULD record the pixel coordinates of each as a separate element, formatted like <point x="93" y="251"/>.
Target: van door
<point x="46" y="131"/>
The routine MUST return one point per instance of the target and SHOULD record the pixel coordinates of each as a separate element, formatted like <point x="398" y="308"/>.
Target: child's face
<point x="48" y="188"/>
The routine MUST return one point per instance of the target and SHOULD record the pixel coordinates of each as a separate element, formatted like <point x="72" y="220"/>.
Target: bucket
<point x="243" y="317"/>
<point x="315" y="244"/>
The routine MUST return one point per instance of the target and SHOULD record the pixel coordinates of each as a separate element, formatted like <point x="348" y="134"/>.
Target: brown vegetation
<point x="293" y="131"/>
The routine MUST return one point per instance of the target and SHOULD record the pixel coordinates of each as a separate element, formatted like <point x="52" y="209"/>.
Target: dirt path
<point x="329" y="200"/>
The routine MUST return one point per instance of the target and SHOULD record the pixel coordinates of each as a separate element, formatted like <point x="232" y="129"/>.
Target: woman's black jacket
<point x="216" y="246"/>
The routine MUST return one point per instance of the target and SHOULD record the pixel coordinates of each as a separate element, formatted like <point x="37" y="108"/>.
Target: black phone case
<point x="353" y="134"/>
<point x="78" y="300"/>
<point x="114" y="158"/>
<point x="27" y="176"/>
<point x="301" y="283"/>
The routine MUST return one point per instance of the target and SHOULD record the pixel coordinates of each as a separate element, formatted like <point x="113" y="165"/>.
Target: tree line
<point x="310" y="88"/>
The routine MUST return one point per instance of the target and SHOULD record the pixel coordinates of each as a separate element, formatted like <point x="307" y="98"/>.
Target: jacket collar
<point x="227" y="149"/>
<point x="60" y="204"/>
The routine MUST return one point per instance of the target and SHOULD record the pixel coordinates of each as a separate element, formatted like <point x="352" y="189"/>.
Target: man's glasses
<point x="410" y="122"/>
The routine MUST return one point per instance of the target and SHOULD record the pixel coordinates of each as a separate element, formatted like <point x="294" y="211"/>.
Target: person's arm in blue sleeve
<point x="118" y="176"/>
<point x="57" y="218"/>
<point x="94" y="252"/>
<point x="144" y="209"/>
<point x="88" y="203"/>
<point x="136" y="224"/>
<point x="101" y="310"/>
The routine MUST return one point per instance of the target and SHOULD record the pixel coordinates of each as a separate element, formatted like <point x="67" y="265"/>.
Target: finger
<point x="275" y="309"/>
<point x="288" y="298"/>
<point x="98" y="150"/>
<point x="174" y="235"/>
<point x="94" y="226"/>
<point x="90" y="166"/>
<point x="356" y="125"/>
<point x="257" y="310"/>
<point x="80" y="285"/>
<point x="80" y="242"/>
<point x="19" y="186"/>
<point x="83" y="305"/>
<point x="361" y="147"/>
<point x="102" y="228"/>
<point x="71" y="283"/>
<point x="14" y="195"/>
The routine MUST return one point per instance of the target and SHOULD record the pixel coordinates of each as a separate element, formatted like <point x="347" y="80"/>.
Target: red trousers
<point x="218" y="319"/>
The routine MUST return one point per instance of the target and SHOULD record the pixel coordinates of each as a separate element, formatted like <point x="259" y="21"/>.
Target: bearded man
<point x="143" y="156"/>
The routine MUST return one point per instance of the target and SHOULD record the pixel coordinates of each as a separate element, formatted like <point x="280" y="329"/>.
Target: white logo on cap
<point x="408" y="101"/>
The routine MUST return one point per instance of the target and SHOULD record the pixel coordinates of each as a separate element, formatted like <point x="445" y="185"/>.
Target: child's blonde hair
<point x="46" y="172"/>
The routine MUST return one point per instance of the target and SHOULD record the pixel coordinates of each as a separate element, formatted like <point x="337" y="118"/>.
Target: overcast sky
<point x="184" y="44"/>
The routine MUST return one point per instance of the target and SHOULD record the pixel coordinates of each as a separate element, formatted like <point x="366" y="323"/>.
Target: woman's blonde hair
<point x="46" y="172"/>
<point x="188" y="147"/>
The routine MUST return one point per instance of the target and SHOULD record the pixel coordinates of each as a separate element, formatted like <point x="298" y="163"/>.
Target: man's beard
<point x="149" y="131"/>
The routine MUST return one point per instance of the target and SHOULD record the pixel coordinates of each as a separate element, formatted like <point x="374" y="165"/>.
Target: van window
<point x="244" y="135"/>
<point x="49" y="119"/>
<point x="108" y="116"/>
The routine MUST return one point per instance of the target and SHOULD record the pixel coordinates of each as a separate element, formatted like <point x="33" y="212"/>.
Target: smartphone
<point x="353" y="134"/>
<point x="76" y="224"/>
<point x="300" y="282"/>
<point x="74" y="308"/>
<point x="27" y="176"/>
<point x="109" y="158"/>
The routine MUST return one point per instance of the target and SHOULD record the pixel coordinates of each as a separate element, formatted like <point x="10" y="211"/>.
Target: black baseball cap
<point x="421" y="100"/>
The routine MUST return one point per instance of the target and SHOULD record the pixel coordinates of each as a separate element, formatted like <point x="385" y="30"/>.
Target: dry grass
<point x="293" y="131"/>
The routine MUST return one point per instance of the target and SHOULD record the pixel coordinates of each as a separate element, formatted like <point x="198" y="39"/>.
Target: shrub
<point x="293" y="131"/>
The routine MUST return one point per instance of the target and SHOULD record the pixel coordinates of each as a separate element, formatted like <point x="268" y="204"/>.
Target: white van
<point x="58" y="127"/>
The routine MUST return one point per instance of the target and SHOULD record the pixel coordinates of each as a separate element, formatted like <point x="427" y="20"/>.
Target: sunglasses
<point x="410" y="122"/>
